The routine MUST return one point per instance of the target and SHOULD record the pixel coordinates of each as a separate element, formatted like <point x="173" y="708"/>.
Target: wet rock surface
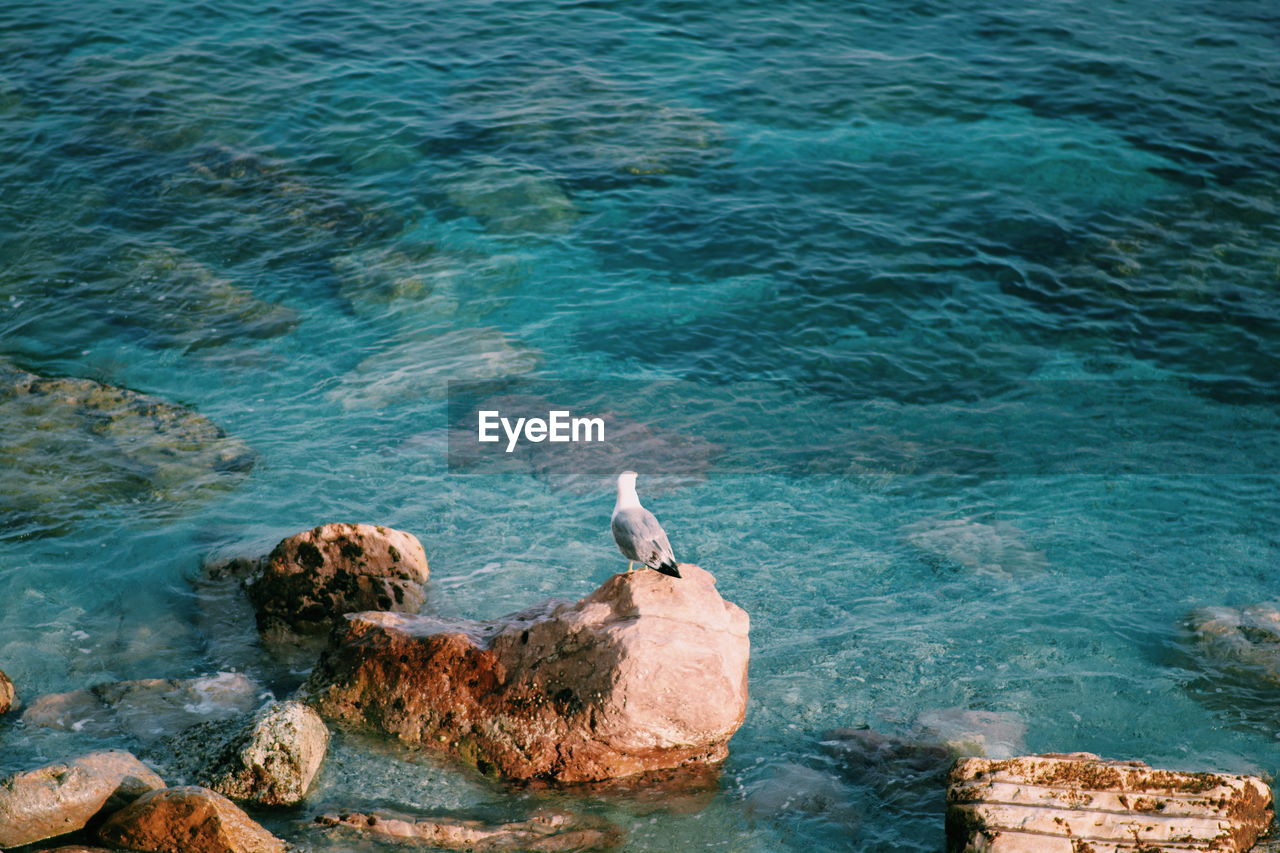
<point x="1078" y="802"/>
<point x="8" y="695"/>
<point x="1240" y="642"/>
<point x="646" y="673"/>
<point x="312" y="578"/>
<point x="270" y="759"/>
<point x="112" y="444"/>
<point x="60" y="798"/>
<point x="146" y="708"/>
<point x="550" y="831"/>
<point x="187" y="820"/>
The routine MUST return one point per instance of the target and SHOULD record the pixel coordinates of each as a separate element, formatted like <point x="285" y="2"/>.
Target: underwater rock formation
<point x="112" y="445"/>
<point x="1241" y="642"/>
<point x="147" y="708"/>
<point x="1078" y="802"/>
<point x="646" y="673"/>
<point x="190" y="819"/>
<point x="64" y="797"/>
<point x="422" y="364"/>
<point x="545" y="833"/>
<point x="269" y="760"/>
<point x="312" y="578"/>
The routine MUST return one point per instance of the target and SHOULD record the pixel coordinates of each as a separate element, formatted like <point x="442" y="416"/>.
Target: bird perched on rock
<point x="640" y="537"/>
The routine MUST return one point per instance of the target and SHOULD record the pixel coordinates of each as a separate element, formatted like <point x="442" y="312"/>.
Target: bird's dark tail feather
<point x="668" y="569"/>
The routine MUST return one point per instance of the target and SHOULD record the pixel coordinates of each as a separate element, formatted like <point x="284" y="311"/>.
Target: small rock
<point x="272" y="760"/>
<point x="187" y="820"/>
<point x="1078" y="802"/>
<point x="8" y="696"/>
<point x="550" y="831"/>
<point x="646" y="673"/>
<point x="311" y="579"/>
<point x="147" y="708"/>
<point x="61" y="798"/>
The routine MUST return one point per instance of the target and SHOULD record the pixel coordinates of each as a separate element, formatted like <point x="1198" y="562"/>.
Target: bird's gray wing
<point x="640" y="537"/>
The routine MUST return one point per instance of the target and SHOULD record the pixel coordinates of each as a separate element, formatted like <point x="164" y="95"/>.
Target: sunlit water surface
<point x="273" y="213"/>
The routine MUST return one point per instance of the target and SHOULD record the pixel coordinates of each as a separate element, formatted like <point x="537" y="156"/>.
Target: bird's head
<point x="627" y="478"/>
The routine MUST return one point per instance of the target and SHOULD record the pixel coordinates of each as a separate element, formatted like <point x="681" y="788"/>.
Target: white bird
<point x="640" y="537"/>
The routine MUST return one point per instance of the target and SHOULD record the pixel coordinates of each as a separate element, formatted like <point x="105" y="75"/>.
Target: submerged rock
<point x="989" y="734"/>
<point x="422" y="366"/>
<point x="175" y="301"/>
<point x="550" y="831"/>
<point x="312" y="578"/>
<point x="187" y="820"/>
<point x="994" y="548"/>
<point x="68" y="446"/>
<point x="147" y="708"/>
<point x="795" y="789"/>
<point x="511" y="199"/>
<point x="1241" y="642"/>
<point x="1078" y="802"/>
<point x="270" y="760"/>
<point x="64" y="797"/>
<point x="424" y="280"/>
<point x="8" y="696"/>
<point x="647" y="672"/>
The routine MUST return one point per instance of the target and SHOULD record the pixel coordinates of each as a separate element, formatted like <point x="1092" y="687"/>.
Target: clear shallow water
<point x="274" y="214"/>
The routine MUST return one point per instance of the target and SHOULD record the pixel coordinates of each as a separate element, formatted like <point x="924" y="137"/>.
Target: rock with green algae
<point x="269" y="758"/>
<point x="421" y="364"/>
<point x="70" y="445"/>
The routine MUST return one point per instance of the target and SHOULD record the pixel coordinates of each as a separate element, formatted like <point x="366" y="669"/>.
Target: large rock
<point x="61" y="798"/>
<point x="270" y="761"/>
<point x="147" y="708"/>
<point x="552" y="831"/>
<point x="314" y="577"/>
<point x="187" y="820"/>
<point x="1078" y="803"/>
<point x="8" y="696"/>
<point x="70" y="446"/>
<point x="648" y="672"/>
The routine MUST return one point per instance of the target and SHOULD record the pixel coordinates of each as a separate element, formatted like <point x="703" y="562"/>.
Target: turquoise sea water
<point x="868" y="221"/>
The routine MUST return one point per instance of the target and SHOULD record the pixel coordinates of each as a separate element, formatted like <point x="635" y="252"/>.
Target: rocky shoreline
<point x="640" y="684"/>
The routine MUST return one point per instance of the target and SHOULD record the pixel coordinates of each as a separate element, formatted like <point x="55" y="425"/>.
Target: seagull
<point x="640" y="537"/>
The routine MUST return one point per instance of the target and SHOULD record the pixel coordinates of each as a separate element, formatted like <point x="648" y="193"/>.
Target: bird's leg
<point x="629" y="562"/>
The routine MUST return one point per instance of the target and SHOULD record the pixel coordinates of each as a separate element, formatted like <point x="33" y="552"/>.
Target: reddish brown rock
<point x="61" y="798"/>
<point x="1078" y="803"/>
<point x="648" y="672"/>
<point x="313" y="578"/>
<point x="544" y="833"/>
<point x="187" y="820"/>
<point x="75" y="848"/>
<point x="8" y="696"/>
<point x="146" y="708"/>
